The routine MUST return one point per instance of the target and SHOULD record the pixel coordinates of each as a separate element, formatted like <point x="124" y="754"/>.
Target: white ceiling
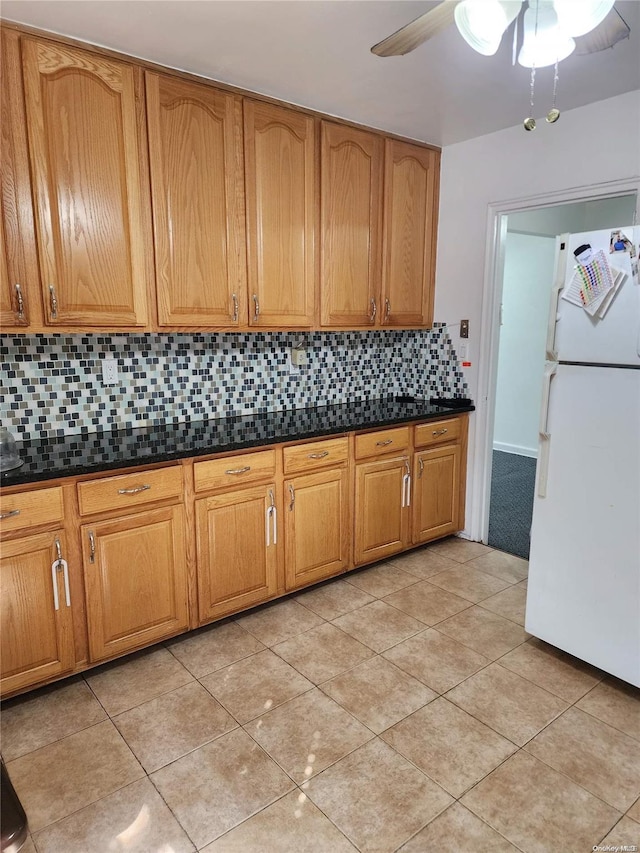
<point x="316" y="53"/>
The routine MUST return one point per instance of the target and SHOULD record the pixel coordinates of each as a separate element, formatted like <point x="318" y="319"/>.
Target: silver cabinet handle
<point x="92" y="547"/>
<point x="387" y="309"/>
<point x="406" y="490"/>
<point x="20" y="301"/>
<point x="319" y="455"/>
<point x="293" y="497"/>
<point x="54" y="583"/>
<point x="256" y="308"/>
<point x="384" y="443"/>
<point x="374" y="311"/>
<point x="11" y="514"/>
<point x="420" y="466"/>
<point x="136" y="490"/>
<point x="53" y="301"/>
<point x="60" y="565"/>
<point x="238" y="470"/>
<point x="271" y="521"/>
<point x="235" y="314"/>
<point x="439" y="431"/>
<point x="407" y="467"/>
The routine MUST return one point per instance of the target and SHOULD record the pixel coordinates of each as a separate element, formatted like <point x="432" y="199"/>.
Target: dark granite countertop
<point x="87" y="453"/>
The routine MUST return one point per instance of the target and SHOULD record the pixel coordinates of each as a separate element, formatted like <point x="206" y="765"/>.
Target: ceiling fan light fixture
<point x="481" y="23"/>
<point x="544" y="41"/>
<point x="577" y="17"/>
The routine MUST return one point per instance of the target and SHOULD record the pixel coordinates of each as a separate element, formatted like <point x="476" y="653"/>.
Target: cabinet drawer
<point x="129" y="491"/>
<point x="315" y="454"/>
<point x="29" y="509"/>
<point x="437" y="432"/>
<point x="234" y="470"/>
<point x="382" y="441"/>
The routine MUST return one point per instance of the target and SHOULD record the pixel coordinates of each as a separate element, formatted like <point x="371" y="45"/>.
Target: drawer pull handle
<point x="92" y="547"/>
<point x="11" y="514"/>
<point x="20" y="300"/>
<point x="256" y="308"/>
<point x="384" y="443"/>
<point x="235" y="315"/>
<point x="60" y="565"/>
<point x="293" y="498"/>
<point x="319" y="455"/>
<point x="420" y="466"/>
<point x="136" y="490"/>
<point x="374" y="311"/>
<point x="439" y="431"/>
<point x="238" y="470"/>
<point x="387" y="309"/>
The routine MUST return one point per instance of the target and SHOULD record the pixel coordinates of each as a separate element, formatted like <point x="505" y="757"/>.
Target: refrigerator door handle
<point x="558" y="287"/>
<point x="543" y="464"/>
<point x="549" y="372"/>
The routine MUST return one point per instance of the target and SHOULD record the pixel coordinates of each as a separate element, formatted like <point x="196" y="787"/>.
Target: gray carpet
<point x="512" y="488"/>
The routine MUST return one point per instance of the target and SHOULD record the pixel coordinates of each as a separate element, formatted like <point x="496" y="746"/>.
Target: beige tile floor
<point x="400" y="708"/>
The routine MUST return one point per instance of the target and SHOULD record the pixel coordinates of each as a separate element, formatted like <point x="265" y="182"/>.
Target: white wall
<point x="591" y="145"/>
<point x="583" y="216"/>
<point x="528" y="277"/>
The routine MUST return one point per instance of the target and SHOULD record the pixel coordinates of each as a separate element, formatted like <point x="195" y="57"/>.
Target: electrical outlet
<point x="464" y="328"/>
<point x="109" y="371"/>
<point x="299" y="357"/>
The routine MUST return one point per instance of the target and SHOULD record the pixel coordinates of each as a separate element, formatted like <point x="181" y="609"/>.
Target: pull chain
<point x="530" y="122"/>
<point x="554" y="113"/>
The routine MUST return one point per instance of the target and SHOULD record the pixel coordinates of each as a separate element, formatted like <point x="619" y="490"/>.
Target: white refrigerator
<point x="583" y="592"/>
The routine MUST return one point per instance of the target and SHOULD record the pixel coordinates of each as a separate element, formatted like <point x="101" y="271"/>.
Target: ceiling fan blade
<point x="613" y="29"/>
<point x="411" y="35"/>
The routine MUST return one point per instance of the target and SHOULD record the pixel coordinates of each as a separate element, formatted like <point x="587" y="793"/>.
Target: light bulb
<point x="545" y="43"/>
<point x="482" y="22"/>
<point x="577" y="17"/>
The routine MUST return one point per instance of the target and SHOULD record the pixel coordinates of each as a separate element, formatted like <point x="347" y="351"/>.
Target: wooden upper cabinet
<point x="281" y="197"/>
<point x="19" y="298"/>
<point x="82" y="119"/>
<point x="409" y="236"/>
<point x="197" y="182"/>
<point x="350" y="215"/>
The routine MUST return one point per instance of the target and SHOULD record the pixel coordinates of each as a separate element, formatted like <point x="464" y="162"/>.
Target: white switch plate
<point x="109" y="371"/>
<point x="299" y="357"/>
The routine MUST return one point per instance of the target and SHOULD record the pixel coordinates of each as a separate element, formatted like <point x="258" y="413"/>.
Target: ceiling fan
<point x="551" y="29"/>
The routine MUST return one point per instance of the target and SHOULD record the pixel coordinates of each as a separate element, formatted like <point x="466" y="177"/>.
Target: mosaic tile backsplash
<point x="53" y="386"/>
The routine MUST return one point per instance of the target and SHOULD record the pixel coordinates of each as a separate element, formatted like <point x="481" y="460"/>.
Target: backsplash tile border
<point x="52" y="385"/>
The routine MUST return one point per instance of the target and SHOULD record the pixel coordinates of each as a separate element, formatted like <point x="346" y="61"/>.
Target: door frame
<point x="497" y="213"/>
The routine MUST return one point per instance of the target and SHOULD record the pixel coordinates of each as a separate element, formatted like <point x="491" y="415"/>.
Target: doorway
<point x="529" y="245"/>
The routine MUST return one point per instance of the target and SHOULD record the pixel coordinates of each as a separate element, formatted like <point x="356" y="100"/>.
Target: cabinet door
<point x="410" y="226"/>
<point x="83" y="142"/>
<point x="436" y="504"/>
<point x="281" y="212"/>
<point x="237" y="551"/>
<point x="197" y="182"/>
<point x="317" y="524"/>
<point x="381" y="509"/>
<point x="351" y="206"/>
<point x="135" y="579"/>
<point x="19" y="283"/>
<point x="36" y="626"/>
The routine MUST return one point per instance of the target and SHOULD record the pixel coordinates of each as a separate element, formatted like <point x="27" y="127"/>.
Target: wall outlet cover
<point x="109" y="371"/>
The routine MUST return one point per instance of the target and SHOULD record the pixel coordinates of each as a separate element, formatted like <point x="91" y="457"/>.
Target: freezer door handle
<point x="558" y="286"/>
<point x="549" y="373"/>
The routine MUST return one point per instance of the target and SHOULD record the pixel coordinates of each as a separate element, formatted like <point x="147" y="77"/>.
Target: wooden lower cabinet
<point x="317" y="524"/>
<point x="135" y="579"/>
<point x="237" y="552"/>
<point x="381" y="509"/>
<point x="36" y="626"/>
<point x="436" y="493"/>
